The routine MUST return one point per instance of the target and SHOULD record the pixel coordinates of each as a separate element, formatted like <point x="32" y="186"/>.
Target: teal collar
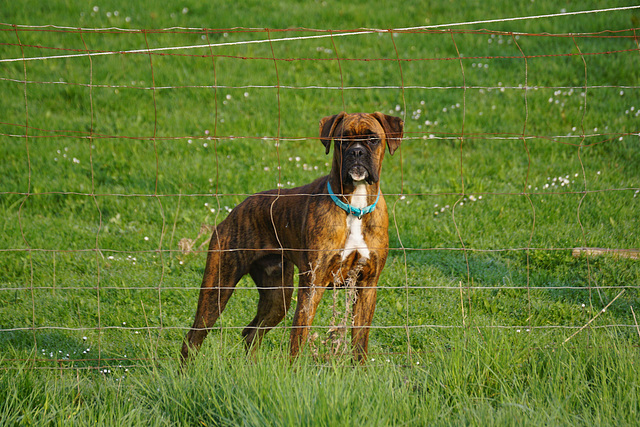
<point x="352" y="209"/>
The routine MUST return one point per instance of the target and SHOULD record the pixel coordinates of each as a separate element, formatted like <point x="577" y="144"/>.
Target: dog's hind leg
<point x="217" y="287"/>
<point x="274" y="278"/>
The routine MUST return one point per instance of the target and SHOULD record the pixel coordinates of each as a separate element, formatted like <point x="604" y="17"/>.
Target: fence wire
<point x="94" y="66"/>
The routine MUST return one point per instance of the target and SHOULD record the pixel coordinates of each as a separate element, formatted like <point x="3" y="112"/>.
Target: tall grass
<point x="487" y="379"/>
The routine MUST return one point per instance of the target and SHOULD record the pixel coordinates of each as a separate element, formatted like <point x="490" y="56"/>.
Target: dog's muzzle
<point x="358" y="165"/>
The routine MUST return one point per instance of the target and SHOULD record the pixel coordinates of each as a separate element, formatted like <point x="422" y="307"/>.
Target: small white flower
<point x="146" y="238"/>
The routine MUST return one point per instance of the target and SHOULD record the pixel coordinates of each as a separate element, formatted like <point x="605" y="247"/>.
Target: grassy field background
<point x="109" y="162"/>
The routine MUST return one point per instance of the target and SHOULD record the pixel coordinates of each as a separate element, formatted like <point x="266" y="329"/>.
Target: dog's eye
<point x="374" y="140"/>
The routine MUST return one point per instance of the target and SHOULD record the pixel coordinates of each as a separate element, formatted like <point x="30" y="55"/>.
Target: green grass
<point x="92" y="278"/>
<point x="487" y="379"/>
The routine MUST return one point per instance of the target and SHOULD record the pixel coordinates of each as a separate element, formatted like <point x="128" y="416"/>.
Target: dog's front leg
<point x="309" y="295"/>
<point x="363" y="309"/>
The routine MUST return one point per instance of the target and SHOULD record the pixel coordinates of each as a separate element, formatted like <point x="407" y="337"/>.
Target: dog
<point x="332" y="228"/>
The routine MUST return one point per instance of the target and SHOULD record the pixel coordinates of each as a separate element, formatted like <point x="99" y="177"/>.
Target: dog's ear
<point x="328" y="126"/>
<point x="393" y="128"/>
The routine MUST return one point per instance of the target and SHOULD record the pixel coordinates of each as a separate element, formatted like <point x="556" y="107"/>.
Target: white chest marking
<point x="355" y="239"/>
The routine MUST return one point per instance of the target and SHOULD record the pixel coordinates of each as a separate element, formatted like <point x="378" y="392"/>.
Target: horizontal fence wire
<point x="91" y="266"/>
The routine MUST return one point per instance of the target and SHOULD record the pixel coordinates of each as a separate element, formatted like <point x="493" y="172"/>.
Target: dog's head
<point x="360" y="140"/>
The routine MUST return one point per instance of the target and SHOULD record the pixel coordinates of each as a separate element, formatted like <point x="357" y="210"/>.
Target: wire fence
<point x="118" y="97"/>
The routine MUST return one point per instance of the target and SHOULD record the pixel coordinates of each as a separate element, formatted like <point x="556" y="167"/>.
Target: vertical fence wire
<point x="465" y="288"/>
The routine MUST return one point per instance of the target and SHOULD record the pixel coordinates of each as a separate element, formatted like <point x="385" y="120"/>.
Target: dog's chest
<point x="355" y="238"/>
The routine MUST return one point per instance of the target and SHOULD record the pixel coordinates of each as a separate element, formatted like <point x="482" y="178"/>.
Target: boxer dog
<point x="331" y="229"/>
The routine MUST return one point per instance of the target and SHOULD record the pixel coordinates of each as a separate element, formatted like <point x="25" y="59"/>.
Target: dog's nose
<point x="357" y="151"/>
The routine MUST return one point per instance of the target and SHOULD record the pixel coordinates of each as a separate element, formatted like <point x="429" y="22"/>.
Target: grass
<point x="94" y="203"/>
<point x="490" y="380"/>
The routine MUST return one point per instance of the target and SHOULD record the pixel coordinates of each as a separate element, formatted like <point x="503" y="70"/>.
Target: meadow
<point x="521" y="145"/>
